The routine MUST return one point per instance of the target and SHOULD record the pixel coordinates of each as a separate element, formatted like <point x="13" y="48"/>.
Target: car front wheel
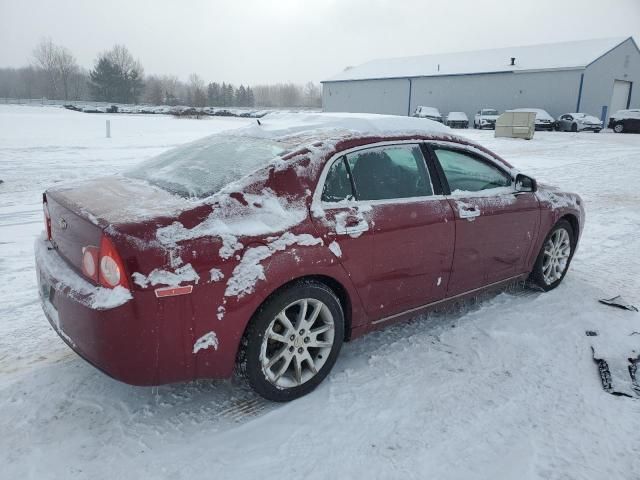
<point x="555" y="255"/>
<point x="293" y="341"/>
<point x="618" y="128"/>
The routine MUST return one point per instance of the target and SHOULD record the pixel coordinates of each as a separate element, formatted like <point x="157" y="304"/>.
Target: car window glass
<point x="337" y="186"/>
<point x="468" y="173"/>
<point x="397" y="171"/>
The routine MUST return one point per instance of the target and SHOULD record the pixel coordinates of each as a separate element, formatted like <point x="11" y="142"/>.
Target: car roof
<point x="283" y="126"/>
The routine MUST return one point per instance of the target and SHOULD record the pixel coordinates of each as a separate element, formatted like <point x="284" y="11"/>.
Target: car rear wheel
<point x="574" y="127"/>
<point x="293" y="341"/>
<point x="618" y="128"/>
<point x="555" y="255"/>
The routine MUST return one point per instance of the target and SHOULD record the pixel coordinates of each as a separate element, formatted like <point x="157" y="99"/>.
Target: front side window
<point x="397" y="171"/>
<point x="467" y="173"/>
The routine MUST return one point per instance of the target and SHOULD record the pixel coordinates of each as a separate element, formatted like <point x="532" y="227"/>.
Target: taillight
<point x="90" y="257"/>
<point x="47" y="218"/>
<point x="111" y="271"/>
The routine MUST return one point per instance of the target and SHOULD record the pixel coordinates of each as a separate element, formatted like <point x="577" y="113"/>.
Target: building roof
<point x="550" y="56"/>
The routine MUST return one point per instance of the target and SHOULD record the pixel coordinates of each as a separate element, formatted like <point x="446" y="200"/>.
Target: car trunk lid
<point x="80" y="212"/>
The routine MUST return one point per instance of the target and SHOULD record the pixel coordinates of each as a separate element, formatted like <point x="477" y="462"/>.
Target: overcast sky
<point x="256" y="41"/>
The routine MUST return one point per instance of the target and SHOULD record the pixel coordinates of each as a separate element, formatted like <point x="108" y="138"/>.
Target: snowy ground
<point x="504" y="390"/>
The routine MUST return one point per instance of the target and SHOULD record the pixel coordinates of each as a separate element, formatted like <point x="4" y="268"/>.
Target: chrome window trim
<point x="317" y="195"/>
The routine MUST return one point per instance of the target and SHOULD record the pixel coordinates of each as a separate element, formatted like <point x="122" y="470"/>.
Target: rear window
<point x="202" y="168"/>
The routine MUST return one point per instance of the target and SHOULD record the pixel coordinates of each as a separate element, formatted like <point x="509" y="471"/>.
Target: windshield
<point x="202" y="168"/>
<point x="489" y="111"/>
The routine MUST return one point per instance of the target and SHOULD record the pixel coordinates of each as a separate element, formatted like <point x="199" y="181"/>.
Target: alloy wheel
<point x="557" y="251"/>
<point x="297" y="343"/>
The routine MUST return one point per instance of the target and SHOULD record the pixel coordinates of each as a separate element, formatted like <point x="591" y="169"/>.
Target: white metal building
<point x="597" y="77"/>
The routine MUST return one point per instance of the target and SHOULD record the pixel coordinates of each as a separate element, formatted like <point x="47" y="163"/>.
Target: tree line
<point x="118" y="77"/>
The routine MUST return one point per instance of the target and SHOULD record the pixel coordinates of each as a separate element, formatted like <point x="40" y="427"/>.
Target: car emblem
<point x="62" y="223"/>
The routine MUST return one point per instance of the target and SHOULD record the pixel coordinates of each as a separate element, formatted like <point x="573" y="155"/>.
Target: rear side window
<point x="397" y="171"/>
<point x="468" y="173"/>
<point x="337" y="186"/>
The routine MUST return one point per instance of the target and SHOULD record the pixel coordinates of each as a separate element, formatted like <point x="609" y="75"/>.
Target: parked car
<point x="457" y="120"/>
<point x="267" y="247"/>
<point x="544" y="121"/>
<point x="622" y="114"/>
<point x="625" y="121"/>
<point x="578" y="122"/>
<point x="431" y="113"/>
<point x="486" y="118"/>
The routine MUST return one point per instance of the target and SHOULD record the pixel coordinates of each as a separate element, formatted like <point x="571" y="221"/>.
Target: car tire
<point x="618" y="128"/>
<point x="278" y="361"/>
<point x="547" y="273"/>
<point x="574" y="127"/>
<point x="596" y="131"/>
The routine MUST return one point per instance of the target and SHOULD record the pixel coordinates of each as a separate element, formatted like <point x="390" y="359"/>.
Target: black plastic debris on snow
<point x="619" y="302"/>
<point x="618" y="377"/>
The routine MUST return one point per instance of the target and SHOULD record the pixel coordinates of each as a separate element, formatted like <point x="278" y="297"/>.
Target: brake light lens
<point x="47" y="218"/>
<point x="90" y="262"/>
<point x="111" y="271"/>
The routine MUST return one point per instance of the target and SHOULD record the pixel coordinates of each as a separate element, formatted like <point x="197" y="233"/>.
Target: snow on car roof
<point x="564" y="55"/>
<point x="457" y="116"/>
<point x="282" y="125"/>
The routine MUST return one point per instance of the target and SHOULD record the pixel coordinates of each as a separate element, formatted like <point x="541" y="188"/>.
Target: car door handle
<point x="468" y="212"/>
<point x="350" y="230"/>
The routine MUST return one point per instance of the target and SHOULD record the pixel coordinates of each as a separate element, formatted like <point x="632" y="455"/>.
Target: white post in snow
<point x="108" y="128"/>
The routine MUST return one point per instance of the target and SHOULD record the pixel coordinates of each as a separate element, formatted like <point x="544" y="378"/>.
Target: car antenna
<point x="258" y="120"/>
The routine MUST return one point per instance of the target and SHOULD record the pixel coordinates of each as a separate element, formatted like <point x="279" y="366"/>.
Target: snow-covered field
<point x="506" y="389"/>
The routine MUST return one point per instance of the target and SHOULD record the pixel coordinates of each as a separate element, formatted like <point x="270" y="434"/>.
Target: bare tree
<point x="153" y="90"/>
<point x="312" y="95"/>
<point x="45" y="57"/>
<point x="170" y="84"/>
<point x="66" y="66"/>
<point x="197" y="92"/>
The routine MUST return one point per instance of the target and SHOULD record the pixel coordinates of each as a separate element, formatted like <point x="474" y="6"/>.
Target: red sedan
<point x="268" y="246"/>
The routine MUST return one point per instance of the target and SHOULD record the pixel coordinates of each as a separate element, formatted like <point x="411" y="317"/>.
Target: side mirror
<point x="525" y="183"/>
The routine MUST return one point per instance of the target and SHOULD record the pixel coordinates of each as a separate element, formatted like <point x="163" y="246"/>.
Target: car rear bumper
<point x="134" y="340"/>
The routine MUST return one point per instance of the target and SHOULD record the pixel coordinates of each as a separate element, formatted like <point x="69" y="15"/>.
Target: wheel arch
<point x="336" y="287"/>
<point x="575" y="225"/>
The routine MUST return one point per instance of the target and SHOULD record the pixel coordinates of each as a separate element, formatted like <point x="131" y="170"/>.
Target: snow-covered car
<point x="457" y="120"/>
<point x="625" y="121"/>
<point x="486" y="118"/>
<point x="266" y="247"/>
<point x="431" y="113"/>
<point x="578" y="122"/>
<point x="544" y="121"/>
<point x="622" y="114"/>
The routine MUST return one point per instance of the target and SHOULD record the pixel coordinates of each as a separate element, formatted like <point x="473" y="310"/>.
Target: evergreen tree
<point x="117" y="77"/>
<point x="241" y="97"/>
<point x="251" y="100"/>
<point x="213" y="94"/>
<point x="104" y="80"/>
<point x="229" y="95"/>
<point x="223" y="95"/>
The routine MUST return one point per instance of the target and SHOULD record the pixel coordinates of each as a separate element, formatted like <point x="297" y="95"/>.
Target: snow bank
<point x="75" y="286"/>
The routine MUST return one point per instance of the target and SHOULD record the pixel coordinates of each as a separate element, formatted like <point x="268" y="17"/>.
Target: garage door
<point x="620" y="97"/>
